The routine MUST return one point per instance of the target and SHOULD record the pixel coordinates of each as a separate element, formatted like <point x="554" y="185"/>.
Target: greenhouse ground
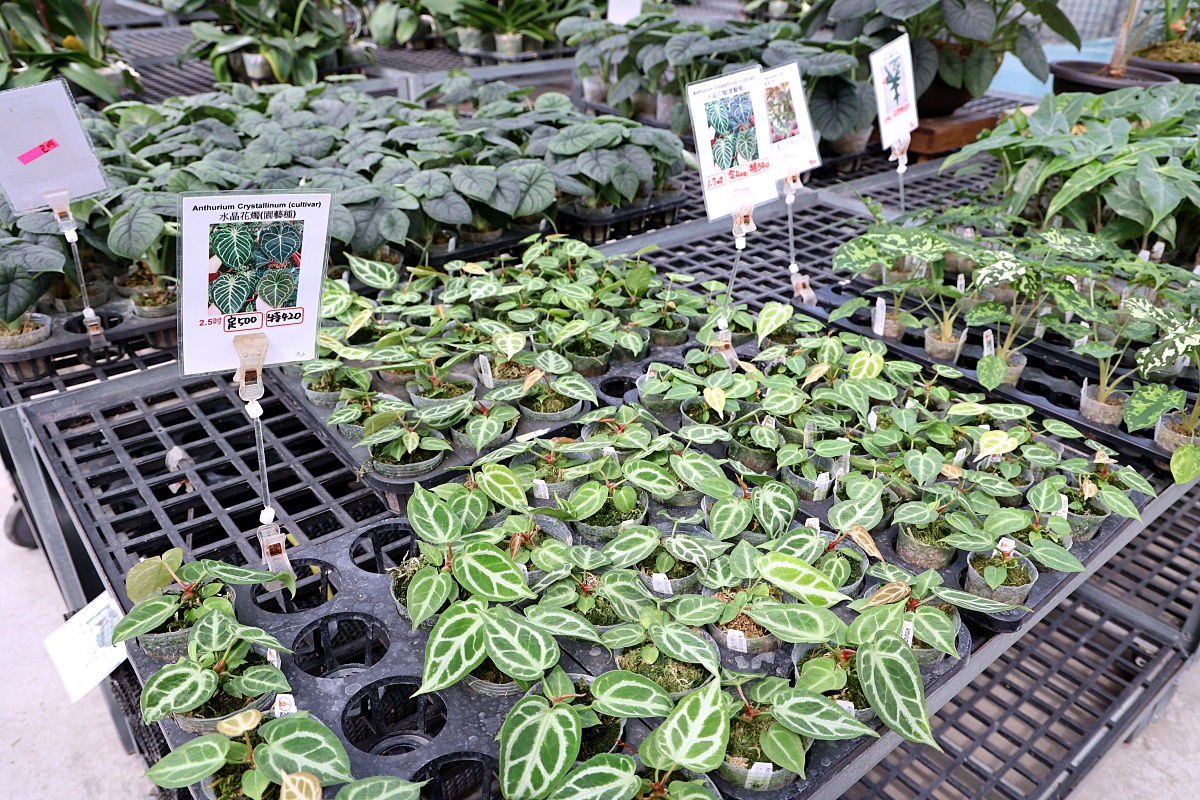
<point x="71" y="752"/>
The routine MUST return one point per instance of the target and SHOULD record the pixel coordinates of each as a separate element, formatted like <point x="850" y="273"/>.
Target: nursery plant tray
<point x="68" y="334"/>
<point x="925" y="185"/>
<point x="479" y="251"/>
<point x="492" y="57"/>
<point x="621" y="222"/>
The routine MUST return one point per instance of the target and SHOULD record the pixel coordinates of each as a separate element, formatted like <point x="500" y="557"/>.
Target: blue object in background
<point x="1013" y="77"/>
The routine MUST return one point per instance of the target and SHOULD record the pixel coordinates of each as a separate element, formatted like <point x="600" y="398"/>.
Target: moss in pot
<point x="996" y="576"/>
<point x="160" y="301"/>
<point x="672" y="675"/>
<point x="850" y="689"/>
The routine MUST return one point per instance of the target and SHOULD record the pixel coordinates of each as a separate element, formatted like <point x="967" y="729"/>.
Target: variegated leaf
<point x="620" y="693"/>
<point x="538" y="745"/>
<point x="455" y="646"/>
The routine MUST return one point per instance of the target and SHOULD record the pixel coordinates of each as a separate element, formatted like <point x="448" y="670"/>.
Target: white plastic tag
<point x="735" y="641"/>
<point x="1005" y="546"/>
<point x="758" y="777"/>
<point x="661" y="583"/>
<point x="82" y="649"/>
<point x="273" y="657"/>
<point x="540" y="490"/>
<point x="962" y="340"/>
<point x="485" y="372"/>
<point x="960" y="457"/>
<point x="284" y="704"/>
<point x="879" y="316"/>
<point x="1062" y="506"/>
<point x="873" y="420"/>
<point x="989" y="343"/>
<point x="611" y="452"/>
<point x="922" y="268"/>
<point x="906" y="632"/>
<point x="813" y="522"/>
<point x="822" y="486"/>
<point x="846" y="704"/>
<point x="961" y="283"/>
<point x="769" y="422"/>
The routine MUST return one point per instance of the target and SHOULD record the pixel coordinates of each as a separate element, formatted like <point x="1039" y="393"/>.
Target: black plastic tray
<point x="492" y="57"/>
<point x="68" y="333"/>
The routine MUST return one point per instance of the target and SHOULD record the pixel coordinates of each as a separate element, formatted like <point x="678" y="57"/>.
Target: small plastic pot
<point x="559" y="488"/>
<point x="1108" y="413"/>
<point x="758" y="779"/>
<point x="799" y="651"/>
<point x="740" y="645"/>
<point x="413" y="470"/>
<point x="1168" y="433"/>
<point x="155" y="312"/>
<point x="619" y="651"/>
<point x="1013" y="595"/>
<point x="1084" y="527"/>
<point x="656" y="404"/>
<point x="1017" y="500"/>
<point x="605" y="533"/>
<point x="940" y="350"/>
<point x="920" y="554"/>
<point x="351" y="431"/>
<point x="200" y="725"/>
<point x="320" y="399"/>
<point x="893" y="328"/>
<point x="756" y="458"/>
<point x="1015" y="365"/>
<point x="590" y="366"/>
<point x="671" y="338"/>
<point x="464" y="443"/>
<point x="489" y="689"/>
<point x="172" y="645"/>
<point x="395" y="377"/>
<point x="621" y="354"/>
<point x="550" y="416"/>
<point x="416" y="393"/>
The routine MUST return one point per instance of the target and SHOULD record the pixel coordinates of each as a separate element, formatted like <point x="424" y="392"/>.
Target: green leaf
<point x="211" y="633"/>
<point x="891" y="680"/>
<point x="380" y="787"/>
<point x="607" y="776"/>
<point x="259" y="679"/>
<point x="1185" y="463"/>
<point x="799" y="579"/>
<point x="816" y="716"/>
<point x="773" y="316"/>
<point x="933" y="627"/>
<point x="431" y="518"/>
<point x="624" y="694"/>
<point x="695" y="734"/>
<point x="1118" y="502"/>
<point x="730" y="516"/>
<point x="702" y="473"/>
<point x="1150" y="401"/>
<point x="519" y="648"/>
<point x="784" y="748"/>
<point x="177" y="688"/>
<point x="796" y="622"/>
<point x="991" y="371"/>
<point x="427" y="592"/>
<point x="651" y="477"/>
<point x="455" y="646"/>
<point x="134" y="232"/>
<point x="501" y="485"/>
<point x="190" y="762"/>
<point x="775" y="506"/>
<point x="632" y="545"/>
<point x="575" y="386"/>
<point x="487" y="573"/>
<point x="538" y="746"/>
<point x="683" y="644"/>
<point x="301" y="744"/>
<point x="376" y="274"/>
<point x="1055" y="556"/>
<point x="561" y="622"/>
<point x="145" y="617"/>
<point x="280" y="241"/>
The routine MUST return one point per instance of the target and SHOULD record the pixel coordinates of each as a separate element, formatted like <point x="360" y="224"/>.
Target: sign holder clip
<point x="60" y="203"/>
<point x="900" y="156"/>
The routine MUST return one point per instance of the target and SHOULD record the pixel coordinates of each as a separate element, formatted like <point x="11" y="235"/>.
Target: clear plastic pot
<point x="1013" y="595"/>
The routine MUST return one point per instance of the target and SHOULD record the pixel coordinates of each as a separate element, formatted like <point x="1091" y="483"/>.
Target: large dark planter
<point x="1186" y="73"/>
<point x="1084" y="76"/>
<point x="941" y="99"/>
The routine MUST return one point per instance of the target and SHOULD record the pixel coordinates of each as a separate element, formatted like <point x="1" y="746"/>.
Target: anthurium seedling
<point x="174" y="595"/>
<point x="551" y="386"/>
<point x="361" y="405"/>
<point x="1107" y="481"/>
<point x="1040" y="530"/>
<point x="295" y="753"/>
<point x="399" y="435"/>
<point x="487" y="421"/>
<point x="331" y="375"/>
<point x="672" y="554"/>
<point x="832" y="554"/>
<point x="220" y="668"/>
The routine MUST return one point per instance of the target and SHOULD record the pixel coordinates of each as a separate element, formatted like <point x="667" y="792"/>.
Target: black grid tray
<point x="1039" y="716"/>
<point x="107" y="454"/>
<point x="434" y="59"/>
<point x="70" y="371"/>
<point x="925" y="185"/>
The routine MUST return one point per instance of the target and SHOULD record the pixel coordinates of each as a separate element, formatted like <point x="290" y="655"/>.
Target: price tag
<point x="895" y="91"/>
<point x="284" y="704"/>
<point x="82" y="649"/>
<point x="822" y="486"/>
<point x="661" y="584"/>
<point x="989" y="343"/>
<point x="794" y="149"/>
<point x="44" y="147"/>
<point x="922" y="268"/>
<point x="813" y="522"/>
<point x="758" y="777"/>
<point x="802" y="289"/>
<point x="215" y="304"/>
<point x="873" y="420"/>
<point x="906" y="632"/>
<point x="962" y="340"/>
<point x="846" y="704"/>
<point x="485" y="372"/>
<point x="879" y="316"/>
<point x="1144" y="255"/>
<point x="735" y="641"/>
<point x="540" y="490"/>
<point x="1082" y="340"/>
<point x="621" y="11"/>
<point x="1062" y="506"/>
<point x="273" y="657"/>
<point x="960" y="283"/>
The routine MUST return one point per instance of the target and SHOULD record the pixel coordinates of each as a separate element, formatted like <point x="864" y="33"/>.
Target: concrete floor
<point x="71" y="752"/>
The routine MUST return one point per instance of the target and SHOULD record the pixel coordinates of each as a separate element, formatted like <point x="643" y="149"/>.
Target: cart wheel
<point x="16" y="528"/>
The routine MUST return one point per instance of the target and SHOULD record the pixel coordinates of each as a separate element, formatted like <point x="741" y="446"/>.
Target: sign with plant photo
<point x="793" y="146"/>
<point x="733" y="141"/>
<point x="250" y="262"/>
<point x="895" y="90"/>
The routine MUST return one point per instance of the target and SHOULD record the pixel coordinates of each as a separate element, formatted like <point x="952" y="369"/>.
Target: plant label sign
<point x="621" y="11"/>
<point x="44" y="147"/>
<point x="82" y="648"/>
<point x="733" y="146"/>
<point x="895" y="91"/>
<point x="793" y="145"/>
<point x="250" y="262"/>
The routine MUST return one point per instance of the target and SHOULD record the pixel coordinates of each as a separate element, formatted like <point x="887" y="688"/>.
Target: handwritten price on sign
<point x="37" y="152"/>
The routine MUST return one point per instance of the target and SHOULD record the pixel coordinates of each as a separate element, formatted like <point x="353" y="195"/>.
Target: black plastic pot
<point x="1186" y="73"/>
<point x="1085" y="76"/>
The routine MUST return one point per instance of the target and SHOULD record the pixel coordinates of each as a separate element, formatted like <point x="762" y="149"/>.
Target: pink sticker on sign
<point x="37" y="152"/>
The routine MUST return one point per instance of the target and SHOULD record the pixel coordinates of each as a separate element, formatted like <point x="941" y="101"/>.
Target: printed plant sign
<point x="730" y="113"/>
<point x="254" y="266"/>
<point x="892" y="74"/>
<point x="251" y="263"/>
<point x="793" y="145"/>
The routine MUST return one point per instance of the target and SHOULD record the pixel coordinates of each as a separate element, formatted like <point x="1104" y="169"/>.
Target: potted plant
<point x="324" y="380"/>
<point x="403" y="448"/>
<point x="509" y="22"/>
<point x="668" y="561"/>
<point x="1176" y="54"/>
<point x="356" y="406"/>
<point x="1098" y="77"/>
<point x="25" y="272"/>
<point x="169" y="597"/>
<point x="221" y="676"/>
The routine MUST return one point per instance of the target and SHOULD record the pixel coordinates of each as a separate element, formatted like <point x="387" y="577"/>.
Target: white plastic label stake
<point x="846" y="704"/>
<point x="962" y="340"/>
<point x="661" y="583"/>
<point x="485" y="372"/>
<point x="822" y="486"/>
<point x="813" y="522"/>
<point x="284" y="704"/>
<point x="82" y="649"/>
<point x="1006" y="546"/>
<point x="872" y="420"/>
<point x="540" y="490"/>
<point x="960" y="283"/>
<point x="621" y="11"/>
<point x="758" y="777"/>
<point x="1082" y="340"/>
<point x="906" y="632"/>
<point x="922" y="268"/>
<point x="611" y="452"/>
<point x="44" y="148"/>
<point x="273" y="657"/>
<point x="769" y="422"/>
<point x="989" y="343"/>
<point x="1062" y="506"/>
<point x="735" y="641"/>
<point x="960" y="457"/>
<point x="879" y="316"/>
